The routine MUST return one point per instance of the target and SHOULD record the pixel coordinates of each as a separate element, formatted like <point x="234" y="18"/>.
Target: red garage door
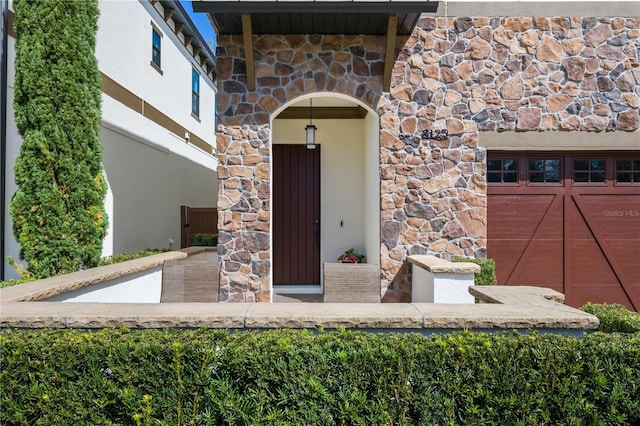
<point x="570" y="222"/>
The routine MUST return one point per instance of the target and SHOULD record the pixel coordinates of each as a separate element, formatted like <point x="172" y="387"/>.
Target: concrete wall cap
<point x="514" y="295"/>
<point x="49" y="287"/>
<point x="442" y="266"/>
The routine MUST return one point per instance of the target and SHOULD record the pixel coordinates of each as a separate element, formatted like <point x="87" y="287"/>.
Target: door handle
<point x="316" y="231"/>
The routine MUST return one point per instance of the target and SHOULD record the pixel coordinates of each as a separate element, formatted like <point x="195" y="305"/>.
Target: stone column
<point x="245" y="214"/>
<point x="433" y="192"/>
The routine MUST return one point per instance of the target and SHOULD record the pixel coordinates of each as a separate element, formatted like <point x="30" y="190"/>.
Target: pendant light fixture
<point x="311" y="129"/>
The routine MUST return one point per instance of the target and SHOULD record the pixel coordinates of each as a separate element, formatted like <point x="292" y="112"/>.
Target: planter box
<point x="351" y="283"/>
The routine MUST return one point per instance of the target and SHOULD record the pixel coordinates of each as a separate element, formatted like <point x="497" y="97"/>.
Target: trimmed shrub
<point x="614" y="318"/>
<point x="487" y="275"/>
<point x="58" y="214"/>
<point x="205" y="240"/>
<point x="301" y="377"/>
<point x="123" y="257"/>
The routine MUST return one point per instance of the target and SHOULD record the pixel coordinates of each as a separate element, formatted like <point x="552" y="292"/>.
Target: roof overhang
<point x="183" y="24"/>
<point x="390" y="18"/>
<point x="315" y="17"/>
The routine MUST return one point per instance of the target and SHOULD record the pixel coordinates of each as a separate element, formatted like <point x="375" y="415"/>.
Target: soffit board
<point x="315" y="17"/>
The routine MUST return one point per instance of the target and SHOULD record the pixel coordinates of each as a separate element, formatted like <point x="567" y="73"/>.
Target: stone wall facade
<point x="286" y="67"/>
<point x="465" y="75"/>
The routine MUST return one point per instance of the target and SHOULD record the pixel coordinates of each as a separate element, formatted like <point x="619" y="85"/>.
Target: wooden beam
<point x="179" y="27"/>
<point x="324" y="113"/>
<point x="187" y="40"/>
<point x="390" y="53"/>
<point x="247" y="36"/>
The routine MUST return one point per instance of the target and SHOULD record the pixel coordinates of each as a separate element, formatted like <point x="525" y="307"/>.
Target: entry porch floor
<point x="298" y="298"/>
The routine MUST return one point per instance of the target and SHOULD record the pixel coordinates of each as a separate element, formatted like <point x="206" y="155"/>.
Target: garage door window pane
<point x="544" y="171"/>
<point x="581" y="177"/>
<point x="628" y="171"/>
<point x="588" y="171"/>
<point x="502" y="171"/>
<point x="581" y="165"/>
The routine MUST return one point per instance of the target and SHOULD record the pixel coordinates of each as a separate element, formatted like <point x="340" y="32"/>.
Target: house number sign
<point x="438" y="135"/>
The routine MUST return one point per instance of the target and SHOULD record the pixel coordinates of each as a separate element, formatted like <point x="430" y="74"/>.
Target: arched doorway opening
<point x="327" y="200"/>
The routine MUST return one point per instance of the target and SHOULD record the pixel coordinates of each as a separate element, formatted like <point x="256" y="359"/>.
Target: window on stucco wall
<point x="156" y="49"/>
<point x="195" y="93"/>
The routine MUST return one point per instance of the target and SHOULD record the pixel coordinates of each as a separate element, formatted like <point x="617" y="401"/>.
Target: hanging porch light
<point x="311" y="129"/>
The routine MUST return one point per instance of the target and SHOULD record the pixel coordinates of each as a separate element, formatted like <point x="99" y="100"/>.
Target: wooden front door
<point x="570" y="222"/>
<point x="296" y="215"/>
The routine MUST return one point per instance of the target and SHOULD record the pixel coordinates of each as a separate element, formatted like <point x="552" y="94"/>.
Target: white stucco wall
<point x="149" y="185"/>
<point x="151" y="171"/>
<point x="142" y="287"/>
<point x="124" y="54"/>
<point x="13" y="149"/>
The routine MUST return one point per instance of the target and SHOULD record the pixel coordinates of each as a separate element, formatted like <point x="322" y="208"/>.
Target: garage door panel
<point x="589" y="265"/>
<point x="628" y="257"/>
<point x="582" y="294"/>
<point x="578" y="228"/>
<point x="540" y="264"/>
<point x="519" y="217"/>
<point x="509" y="252"/>
<point x="583" y="237"/>
<point x="587" y="251"/>
<point x="618" y="216"/>
<point x="633" y="293"/>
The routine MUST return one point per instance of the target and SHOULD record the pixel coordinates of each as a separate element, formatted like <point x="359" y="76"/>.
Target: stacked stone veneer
<point x="463" y="74"/>
<point x="286" y="67"/>
<point x="531" y="74"/>
<point x="488" y="74"/>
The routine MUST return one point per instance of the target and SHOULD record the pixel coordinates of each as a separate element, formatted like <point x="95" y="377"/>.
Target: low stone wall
<point x="528" y="309"/>
<point x="55" y="286"/>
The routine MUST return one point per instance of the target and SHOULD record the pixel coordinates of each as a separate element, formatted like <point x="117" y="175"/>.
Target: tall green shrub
<point x="58" y="212"/>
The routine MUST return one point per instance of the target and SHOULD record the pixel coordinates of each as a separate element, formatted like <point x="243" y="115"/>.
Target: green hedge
<point x="487" y="274"/>
<point x="205" y="240"/>
<point x="297" y="377"/>
<point x="123" y="257"/>
<point x="614" y="318"/>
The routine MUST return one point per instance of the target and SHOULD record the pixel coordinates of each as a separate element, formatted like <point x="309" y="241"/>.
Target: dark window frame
<point x="589" y="171"/>
<point x="195" y="93"/>
<point x="633" y="171"/>
<point x="156" y="48"/>
<point x="502" y="171"/>
<point x="545" y="171"/>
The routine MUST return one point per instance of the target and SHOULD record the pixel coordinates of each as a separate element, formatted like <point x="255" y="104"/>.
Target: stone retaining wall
<point x="465" y="75"/>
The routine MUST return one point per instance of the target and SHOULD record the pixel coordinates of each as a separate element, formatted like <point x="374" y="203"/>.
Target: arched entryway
<point x="324" y="200"/>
